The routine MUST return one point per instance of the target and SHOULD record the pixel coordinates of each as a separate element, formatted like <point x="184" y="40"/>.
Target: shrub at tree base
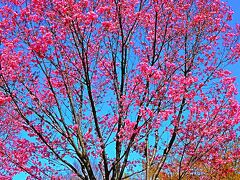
<point x="113" y="89"/>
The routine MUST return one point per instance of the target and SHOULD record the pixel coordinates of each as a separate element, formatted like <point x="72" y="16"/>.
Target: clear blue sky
<point x="235" y="4"/>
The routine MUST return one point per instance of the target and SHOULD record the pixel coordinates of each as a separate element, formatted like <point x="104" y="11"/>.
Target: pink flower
<point x="75" y="127"/>
<point x="92" y="16"/>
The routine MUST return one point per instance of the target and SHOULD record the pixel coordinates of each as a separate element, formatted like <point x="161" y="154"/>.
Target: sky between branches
<point x="235" y="68"/>
<point x="235" y="5"/>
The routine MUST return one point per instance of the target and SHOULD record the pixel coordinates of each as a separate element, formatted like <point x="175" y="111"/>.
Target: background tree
<point x="109" y="84"/>
<point x="225" y="168"/>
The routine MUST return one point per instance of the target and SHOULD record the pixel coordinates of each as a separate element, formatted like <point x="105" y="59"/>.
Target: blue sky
<point x="235" y="4"/>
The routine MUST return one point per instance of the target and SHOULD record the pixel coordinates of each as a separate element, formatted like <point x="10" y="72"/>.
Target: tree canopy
<point x="113" y="89"/>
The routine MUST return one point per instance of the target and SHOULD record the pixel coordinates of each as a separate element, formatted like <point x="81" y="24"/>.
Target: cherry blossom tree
<point x="96" y="87"/>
